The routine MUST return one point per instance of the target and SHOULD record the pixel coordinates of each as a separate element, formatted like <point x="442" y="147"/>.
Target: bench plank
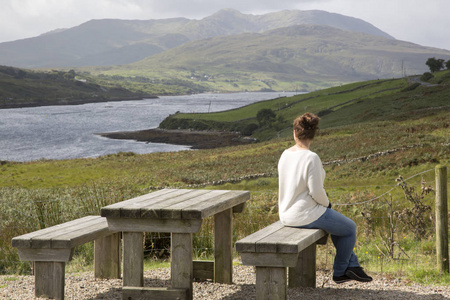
<point x="289" y="240"/>
<point x="71" y="236"/>
<point x="248" y="243"/>
<point x="28" y="240"/>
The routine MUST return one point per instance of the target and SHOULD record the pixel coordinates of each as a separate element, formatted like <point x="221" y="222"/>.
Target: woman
<point x="303" y="202"/>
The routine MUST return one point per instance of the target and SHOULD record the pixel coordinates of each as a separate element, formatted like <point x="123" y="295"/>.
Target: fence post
<point x="442" y="219"/>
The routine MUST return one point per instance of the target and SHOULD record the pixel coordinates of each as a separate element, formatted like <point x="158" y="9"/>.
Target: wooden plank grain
<point x="220" y="201"/>
<point x="25" y="240"/>
<point x="162" y="210"/>
<point x="270" y="243"/>
<point x="82" y="235"/>
<point x="300" y="239"/>
<point x="172" y="209"/>
<point x="114" y="210"/>
<point x="248" y="243"/>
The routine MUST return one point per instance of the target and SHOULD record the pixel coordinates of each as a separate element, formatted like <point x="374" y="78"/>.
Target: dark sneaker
<point x="341" y="279"/>
<point x="358" y="274"/>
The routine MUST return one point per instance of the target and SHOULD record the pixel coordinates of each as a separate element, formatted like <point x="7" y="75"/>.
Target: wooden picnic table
<point x="180" y="212"/>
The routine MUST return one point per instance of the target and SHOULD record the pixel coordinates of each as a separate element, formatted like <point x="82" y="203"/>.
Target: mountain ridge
<point x="310" y="56"/>
<point x="109" y="39"/>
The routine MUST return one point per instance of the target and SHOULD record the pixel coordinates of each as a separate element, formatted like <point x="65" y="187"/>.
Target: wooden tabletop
<point x="179" y="204"/>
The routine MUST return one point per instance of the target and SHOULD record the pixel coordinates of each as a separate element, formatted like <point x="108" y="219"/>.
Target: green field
<point x="371" y="133"/>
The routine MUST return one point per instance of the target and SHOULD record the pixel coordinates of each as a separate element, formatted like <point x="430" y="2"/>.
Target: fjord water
<point x="66" y="132"/>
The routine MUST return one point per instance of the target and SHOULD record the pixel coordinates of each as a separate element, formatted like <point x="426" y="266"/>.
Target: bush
<point x="411" y="87"/>
<point x="426" y="76"/>
<point x="248" y="129"/>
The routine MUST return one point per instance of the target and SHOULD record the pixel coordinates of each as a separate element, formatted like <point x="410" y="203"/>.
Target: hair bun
<point x="306" y="125"/>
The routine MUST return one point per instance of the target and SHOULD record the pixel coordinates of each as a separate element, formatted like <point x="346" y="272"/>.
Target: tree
<point x="265" y="116"/>
<point x="435" y="64"/>
<point x="447" y="64"/>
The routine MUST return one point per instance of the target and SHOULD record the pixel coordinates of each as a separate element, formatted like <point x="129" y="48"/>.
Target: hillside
<point x="20" y="88"/>
<point x="347" y="105"/>
<point x="300" y="57"/>
<point x="115" y="42"/>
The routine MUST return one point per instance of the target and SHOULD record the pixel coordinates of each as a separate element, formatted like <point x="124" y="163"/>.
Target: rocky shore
<point x="195" y="139"/>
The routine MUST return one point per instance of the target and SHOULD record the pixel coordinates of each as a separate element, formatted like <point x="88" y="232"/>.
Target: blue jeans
<point x="343" y="234"/>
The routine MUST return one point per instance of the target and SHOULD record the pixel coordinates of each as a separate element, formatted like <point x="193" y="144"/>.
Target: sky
<point x="424" y="22"/>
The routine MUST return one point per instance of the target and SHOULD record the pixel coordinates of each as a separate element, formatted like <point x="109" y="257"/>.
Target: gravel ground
<point x="85" y="286"/>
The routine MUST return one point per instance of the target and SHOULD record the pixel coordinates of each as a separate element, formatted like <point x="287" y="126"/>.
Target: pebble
<point x="84" y="286"/>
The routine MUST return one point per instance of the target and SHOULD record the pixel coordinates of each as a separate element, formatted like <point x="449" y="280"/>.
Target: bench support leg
<point x="304" y="274"/>
<point x="49" y="279"/>
<point x="107" y="256"/>
<point x="133" y="259"/>
<point x="271" y="283"/>
<point x="223" y="246"/>
<point x="181" y="262"/>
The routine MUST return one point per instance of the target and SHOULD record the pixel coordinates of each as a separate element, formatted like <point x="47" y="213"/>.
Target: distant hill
<point x="22" y="88"/>
<point x="303" y="57"/>
<point x="116" y="42"/>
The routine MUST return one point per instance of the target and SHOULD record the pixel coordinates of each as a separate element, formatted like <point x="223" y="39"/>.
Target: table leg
<point x="133" y="259"/>
<point x="181" y="262"/>
<point x="223" y="248"/>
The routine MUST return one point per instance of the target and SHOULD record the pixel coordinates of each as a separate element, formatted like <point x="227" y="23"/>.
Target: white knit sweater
<point x="301" y="196"/>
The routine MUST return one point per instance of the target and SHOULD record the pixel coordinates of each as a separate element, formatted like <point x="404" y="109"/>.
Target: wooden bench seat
<point x="277" y="247"/>
<point x="50" y="248"/>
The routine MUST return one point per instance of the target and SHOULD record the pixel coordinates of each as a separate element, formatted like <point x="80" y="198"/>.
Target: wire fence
<point x="393" y="229"/>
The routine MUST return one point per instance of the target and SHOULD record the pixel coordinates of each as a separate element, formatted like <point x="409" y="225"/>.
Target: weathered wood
<point x="248" y="243"/>
<point x="171" y="208"/>
<point x="181" y="262"/>
<point x="203" y="269"/>
<point x="49" y="279"/>
<point x="107" y="256"/>
<point x="174" y="209"/>
<point x="441" y="209"/>
<point x="304" y="273"/>
<point x="133" y="259"/>
<point x="55" y="236"/>
<point x="136" y="293"/>
<point x="176" y="204"/>
<point x="269" y="259"/>
<point x="154" y="225"/>
<point x="31" y="254"/>
<point x="114" y="210"/>
<point x="219" y="201"/>
<point x="223" y="246"/>
<point x="271" y="283"/>
<point x="277" y="238"/>
<point x="276" y="247"/>
<point x="52" y="247"/>
<point x="239" y="208"/>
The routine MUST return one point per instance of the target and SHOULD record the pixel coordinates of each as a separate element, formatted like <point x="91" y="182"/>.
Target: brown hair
<point x="306" y="125"/>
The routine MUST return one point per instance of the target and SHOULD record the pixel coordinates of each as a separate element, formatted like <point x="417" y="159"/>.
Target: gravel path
<point x="85" y="286"/>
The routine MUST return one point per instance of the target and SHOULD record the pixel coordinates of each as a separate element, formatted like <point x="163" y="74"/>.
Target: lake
<point x="67" y="132"/>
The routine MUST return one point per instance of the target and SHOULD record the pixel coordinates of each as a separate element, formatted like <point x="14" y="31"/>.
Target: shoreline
<point x="74" y="102"/>
<point x="195" y="139"/>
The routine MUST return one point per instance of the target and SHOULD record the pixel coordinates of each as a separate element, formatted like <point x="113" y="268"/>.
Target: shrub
<point x="426" y="76"/>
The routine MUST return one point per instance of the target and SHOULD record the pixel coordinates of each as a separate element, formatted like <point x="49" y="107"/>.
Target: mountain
<point x="305" y="56"/>
<point x="115" y="42"/>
